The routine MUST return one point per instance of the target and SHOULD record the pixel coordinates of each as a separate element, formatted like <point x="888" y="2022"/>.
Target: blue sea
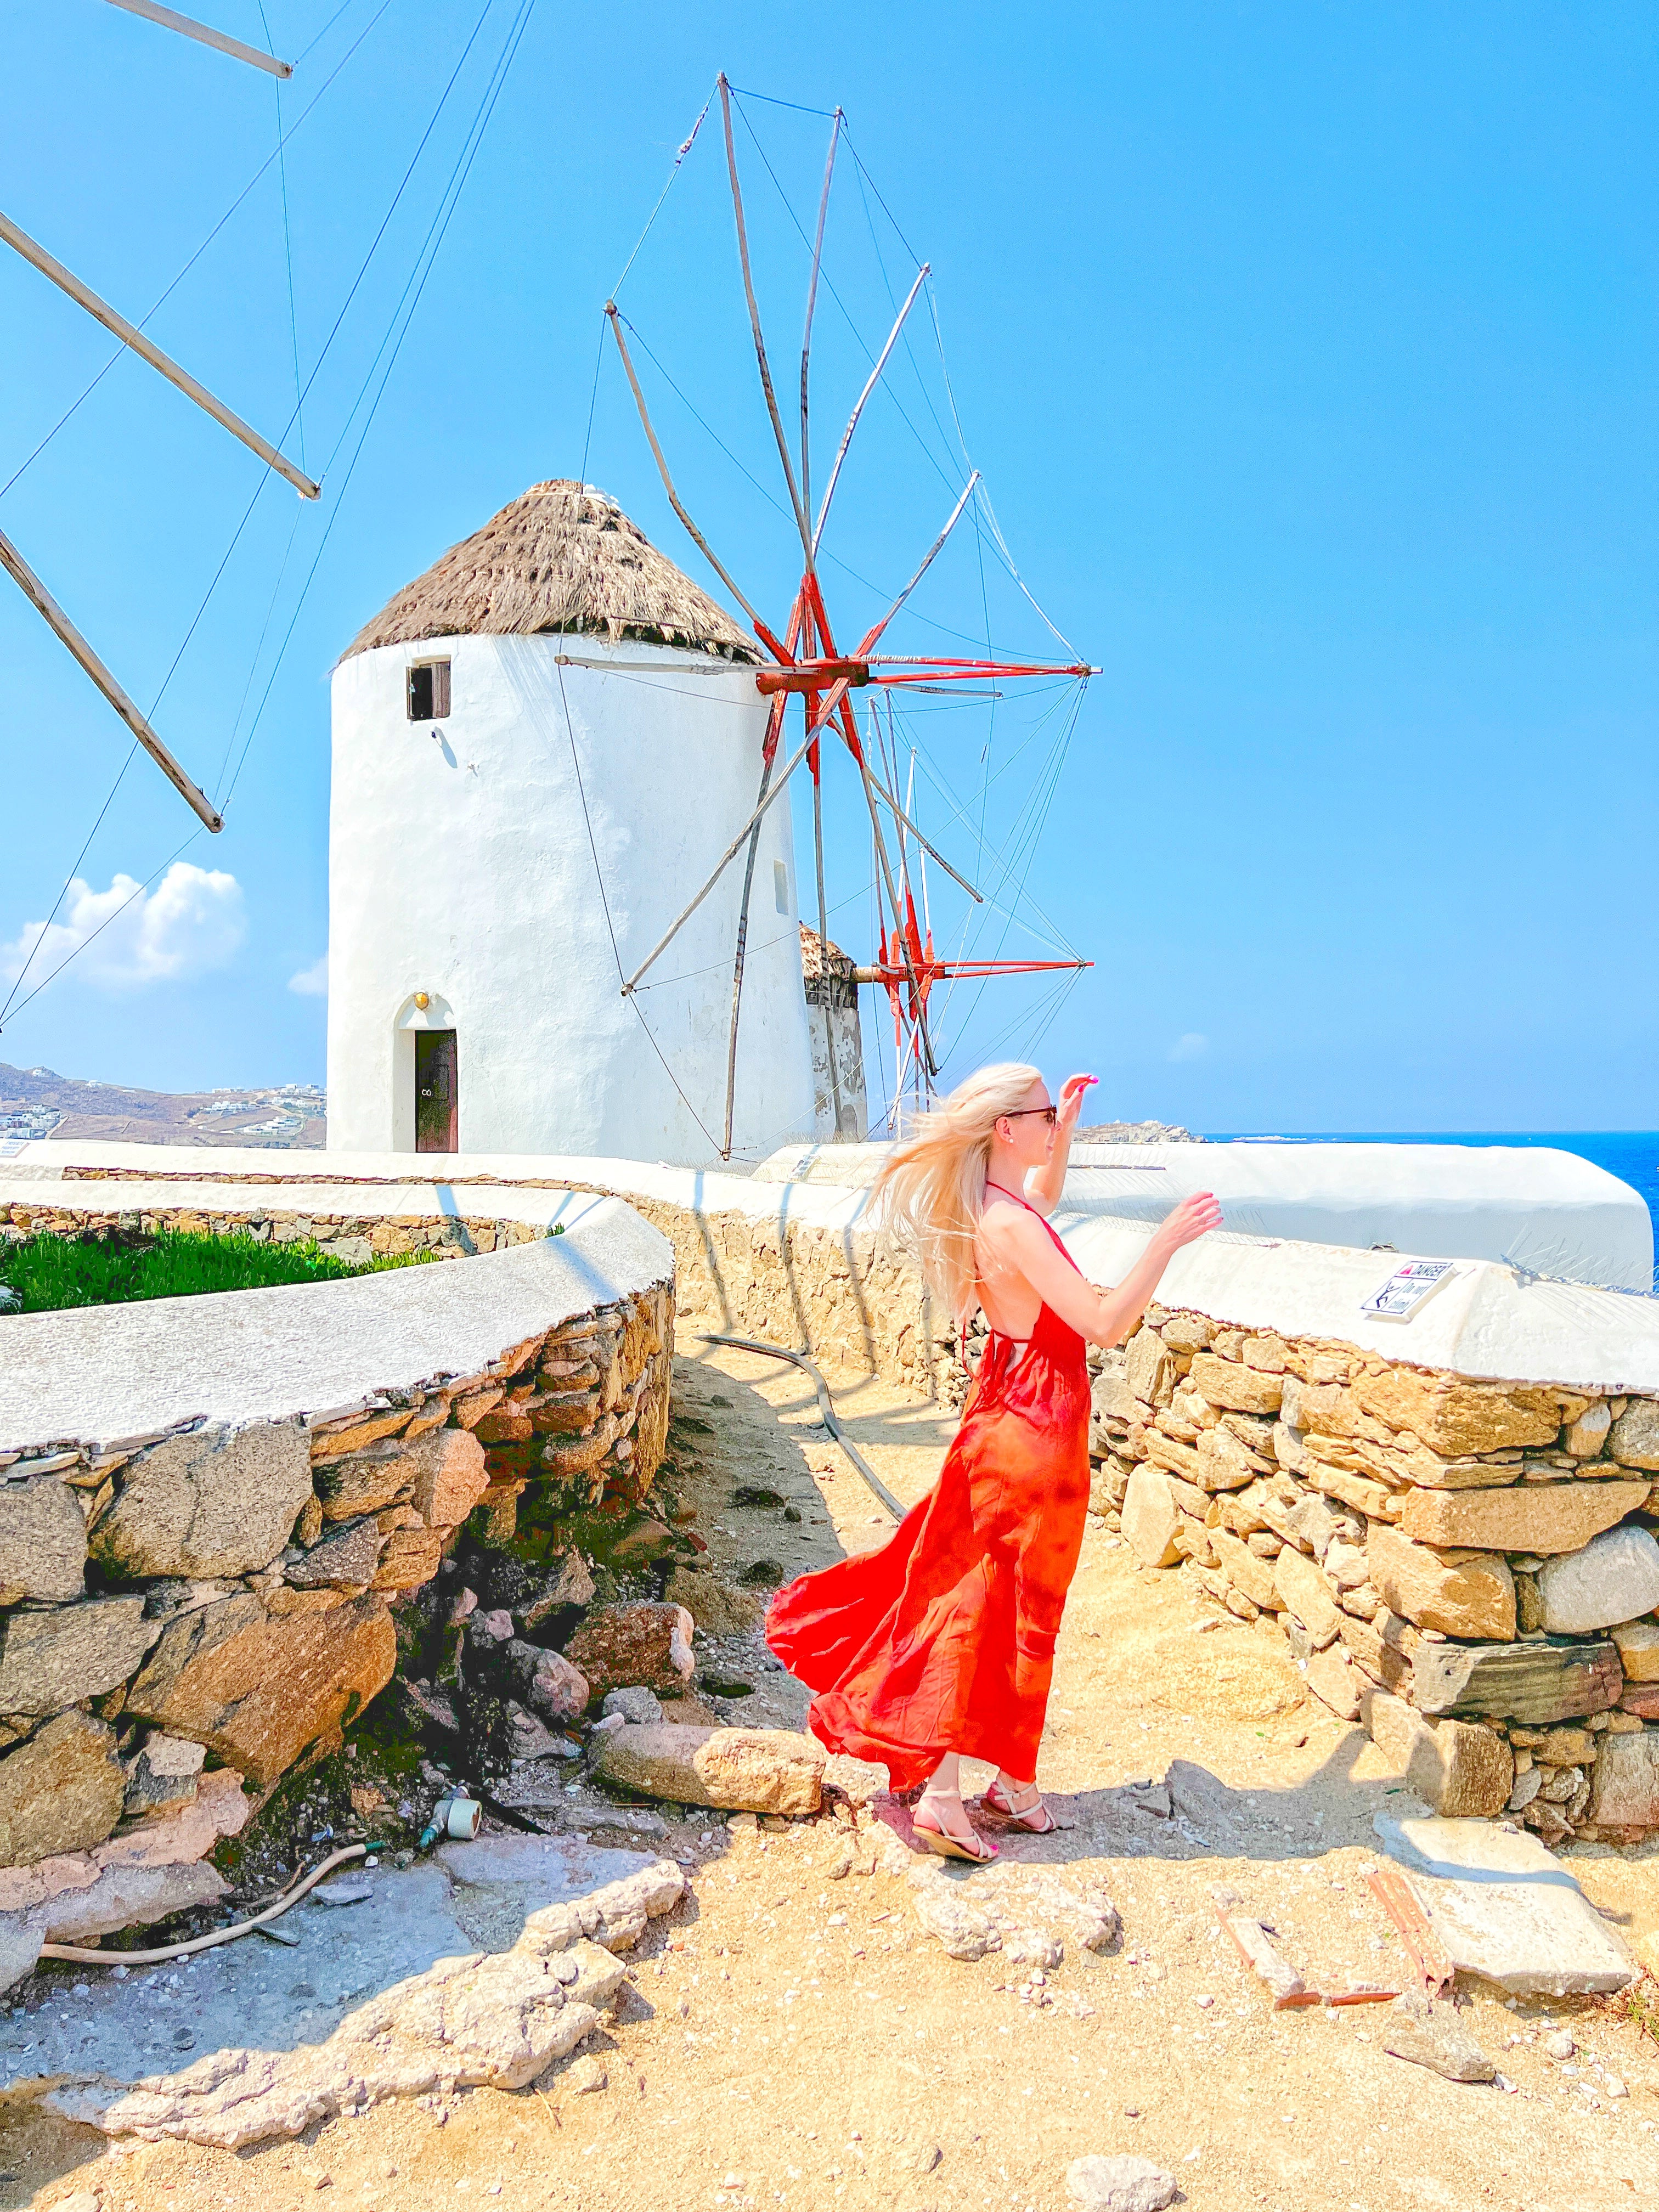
<point x="1632" y="1155"/>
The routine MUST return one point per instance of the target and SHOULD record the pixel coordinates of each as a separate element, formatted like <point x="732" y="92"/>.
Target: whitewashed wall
<point x="460" y="864"/>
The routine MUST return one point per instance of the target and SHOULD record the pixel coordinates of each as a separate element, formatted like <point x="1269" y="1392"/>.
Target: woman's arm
<point x="1043" y="1185"/>
<point x="1017" y="1242"/>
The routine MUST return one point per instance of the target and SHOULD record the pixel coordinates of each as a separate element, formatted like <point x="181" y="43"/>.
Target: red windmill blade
<point x="808" y="663"/>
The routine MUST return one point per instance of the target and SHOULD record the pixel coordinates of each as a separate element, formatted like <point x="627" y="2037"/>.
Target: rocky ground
<point x="794" y="2034"/>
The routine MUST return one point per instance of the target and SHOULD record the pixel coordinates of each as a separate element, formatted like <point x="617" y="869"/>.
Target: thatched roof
<point x="562" y="556"/>
<point x="821" y="956"/>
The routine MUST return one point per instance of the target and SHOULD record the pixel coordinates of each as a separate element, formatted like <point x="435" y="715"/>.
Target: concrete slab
<point x="1506" y="1909"/>
<point x="255" y="1996"/>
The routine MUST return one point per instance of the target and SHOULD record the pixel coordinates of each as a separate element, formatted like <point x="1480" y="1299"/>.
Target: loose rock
<point x="618" y="1646"/>
<point x="748" y="1770"/>
<point x="1432" y="2035"/>
<point x="1122" y="2183"/>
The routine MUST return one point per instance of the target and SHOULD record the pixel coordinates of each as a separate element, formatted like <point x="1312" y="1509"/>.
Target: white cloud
<point x="311" y="982"/>
<point x="1190" y="1047"/>
<point x="192" y="921"/>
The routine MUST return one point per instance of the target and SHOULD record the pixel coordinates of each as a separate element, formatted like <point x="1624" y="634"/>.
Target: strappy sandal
<point x="1036" y="1818"/>
<point x="946" y="1846"/>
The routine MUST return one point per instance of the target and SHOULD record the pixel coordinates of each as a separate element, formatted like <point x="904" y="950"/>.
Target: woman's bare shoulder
<point x="1006" y="1231"/>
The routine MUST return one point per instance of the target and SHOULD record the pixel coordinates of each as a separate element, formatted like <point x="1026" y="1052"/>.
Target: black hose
<point x="826" y="1406"/>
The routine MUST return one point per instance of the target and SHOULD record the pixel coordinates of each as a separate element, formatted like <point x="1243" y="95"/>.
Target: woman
<point x="940" y="1645"/>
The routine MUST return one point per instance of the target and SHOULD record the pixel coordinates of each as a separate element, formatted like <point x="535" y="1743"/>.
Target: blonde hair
<point x="931" y="1190"/>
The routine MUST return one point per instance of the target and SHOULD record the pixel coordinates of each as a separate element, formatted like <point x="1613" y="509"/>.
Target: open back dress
<point x="943" y="1639"/>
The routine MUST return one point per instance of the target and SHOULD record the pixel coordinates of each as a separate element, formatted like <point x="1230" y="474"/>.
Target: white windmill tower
<point x="537" y="745"/>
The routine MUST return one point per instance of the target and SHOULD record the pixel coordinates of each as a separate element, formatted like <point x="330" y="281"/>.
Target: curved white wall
<point x="460" y="864"/>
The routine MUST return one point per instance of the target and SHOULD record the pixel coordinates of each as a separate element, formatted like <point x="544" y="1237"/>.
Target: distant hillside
<point x="36" y="1102"/>
<point x="1135" y="1132"/>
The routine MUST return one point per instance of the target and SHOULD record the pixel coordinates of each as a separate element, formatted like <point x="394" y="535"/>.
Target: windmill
<point x="808" y="663"/>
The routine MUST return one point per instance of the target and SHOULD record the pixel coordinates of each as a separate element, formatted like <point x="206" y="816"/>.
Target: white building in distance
<point x="541" y="748"/>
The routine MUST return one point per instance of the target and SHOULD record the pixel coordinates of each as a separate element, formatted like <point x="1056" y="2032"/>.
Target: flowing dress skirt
<point x="943" y="1639"/>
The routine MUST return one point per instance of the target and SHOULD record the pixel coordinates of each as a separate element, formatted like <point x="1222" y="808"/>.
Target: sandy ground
<point x="791" y="2039"/>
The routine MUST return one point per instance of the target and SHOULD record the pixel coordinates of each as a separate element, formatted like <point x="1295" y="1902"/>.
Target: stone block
<point x="1452" y="1416"/>
<point x="366" y="1483"/>
<point x="259" y="1689"/>
<point x="218" y="1502"/>
<point x="1308" y="1520"/>
<point x="1187" y="1333"/>
<point x="61" y="1791"/>
<point x="1641" y="1699"/>
<point x="1546" y="1517"/>
<point x="411" y="1557"/>
<point x="1150" y="1517"/>
<point x="1556" y="1746"/>
<point x="1535" y="1683"/>
<point x="1615" y="1577"/>
<point x="49" y="1660"/>
<point x="1376" y="1649"/>
<point x="43" y="1542"/>
<point x="162" y="1775"/>
<point x="1374" y="1499"/>
<point x="1226" y="1462"/>
<point x="1633" y="1440"/>
<point x="1460" y="1770"/>
<point x="1336" y="1682"/>
<point x="1625" y="1786"/>
<point x="1303" y="1591"/>
<point x="1225" y="1382"/>
<point x="740" y="1769"/>
<point x="1290" y="1447"/>
<point x="1638" y="1648"/>
<point x="1584" y="1437"/>
<point x="1467" y="1594"/>
<point x="348" y="1560"/>
<point x="1244" y="1571"/>
<point x="1148" y="1368"/>
<point x="619" y="1646"/>
<point x="450" y="1476"/>
<point x="1111" y="1400"/>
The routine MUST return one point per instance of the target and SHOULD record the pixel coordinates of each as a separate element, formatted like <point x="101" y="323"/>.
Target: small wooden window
<point x="429" y="691"/>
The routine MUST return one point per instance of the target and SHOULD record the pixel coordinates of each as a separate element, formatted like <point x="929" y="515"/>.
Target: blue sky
<point x="1310" y="356"/>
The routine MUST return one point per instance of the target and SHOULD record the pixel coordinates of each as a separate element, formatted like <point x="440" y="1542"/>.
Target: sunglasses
<point x="1050" y="1114"/>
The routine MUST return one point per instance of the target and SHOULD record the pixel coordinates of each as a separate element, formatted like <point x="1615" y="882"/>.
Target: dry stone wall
<point x="1468" y="1568"/>
<point x="183" y="1608"/>
<point x="842" y="1294"/>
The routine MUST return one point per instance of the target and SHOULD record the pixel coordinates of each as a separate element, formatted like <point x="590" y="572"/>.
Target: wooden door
<point x="436" y="1098"/>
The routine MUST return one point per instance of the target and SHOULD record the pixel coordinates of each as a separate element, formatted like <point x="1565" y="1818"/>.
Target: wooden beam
<point x="44" y="604"/>
<point x="130" y="335"/>
<point x="170" y="20"/>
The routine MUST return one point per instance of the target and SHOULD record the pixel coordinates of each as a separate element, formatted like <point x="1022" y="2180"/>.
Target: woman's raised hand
<point x="1072" y="1094"/>
<point x="1194" y="1218"/>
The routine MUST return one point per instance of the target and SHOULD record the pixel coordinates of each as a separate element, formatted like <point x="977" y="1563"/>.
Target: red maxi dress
<point x="943" y="1639"/>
